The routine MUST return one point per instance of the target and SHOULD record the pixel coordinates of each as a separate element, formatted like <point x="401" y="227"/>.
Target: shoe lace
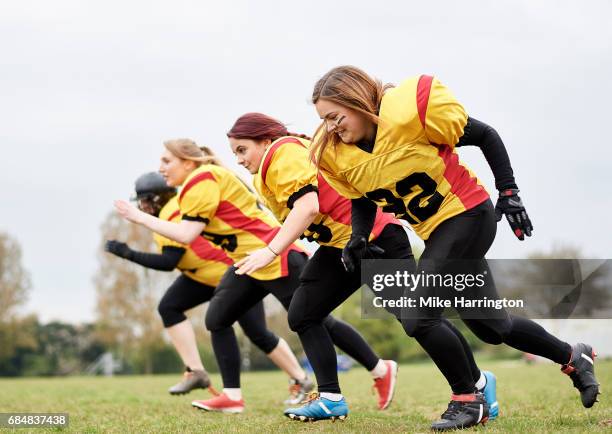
<point x="454" y="408"/>
<point x="311" y="397"/>
<point x="377" y="386"/>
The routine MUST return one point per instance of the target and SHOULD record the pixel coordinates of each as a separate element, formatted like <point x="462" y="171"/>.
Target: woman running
<point x="291" y="187"/>
<point x="214" y="203"/>
<point x="395" y="147"/>
<point x="201" y="264"/>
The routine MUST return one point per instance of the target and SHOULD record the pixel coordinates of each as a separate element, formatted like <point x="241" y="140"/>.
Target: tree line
<point x="128" y="326"/>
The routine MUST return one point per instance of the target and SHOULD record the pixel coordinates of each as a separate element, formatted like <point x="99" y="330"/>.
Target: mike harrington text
<point x="457" y="302"/>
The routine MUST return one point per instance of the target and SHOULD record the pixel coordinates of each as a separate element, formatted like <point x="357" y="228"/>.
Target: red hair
<point x="258" y="126"/>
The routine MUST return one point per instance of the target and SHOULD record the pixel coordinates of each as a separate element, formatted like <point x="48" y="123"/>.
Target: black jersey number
<point x="404" y="187"/>
<point x="319" y="233"/>
<point x="226" y="242"/>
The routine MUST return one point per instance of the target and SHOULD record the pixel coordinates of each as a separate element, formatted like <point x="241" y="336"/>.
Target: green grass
<point x="532" y="399"/>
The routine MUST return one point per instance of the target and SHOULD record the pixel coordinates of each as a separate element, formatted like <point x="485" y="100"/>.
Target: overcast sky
<point x="89" y="90"/>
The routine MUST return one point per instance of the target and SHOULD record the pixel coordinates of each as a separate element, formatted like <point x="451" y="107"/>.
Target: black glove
<point x="510" y="203"/>
<point x="118" y="248"/>
<point x="356" y="249"/>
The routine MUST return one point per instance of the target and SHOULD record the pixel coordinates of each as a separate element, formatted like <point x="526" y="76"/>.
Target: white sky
<point x="89" y="90"/>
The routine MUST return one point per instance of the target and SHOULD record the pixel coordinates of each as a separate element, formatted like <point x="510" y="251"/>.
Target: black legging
<point x="237" y="293"/>
<point x="186" y="293"/>
<point x="469" y="236"/>
<point x="325" y="284"/>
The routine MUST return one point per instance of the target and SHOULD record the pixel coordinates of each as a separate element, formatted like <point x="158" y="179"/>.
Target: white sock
<point x="233" y="394"/>
<point x="380" y="370"/>
<point x="482" y="382"/>
<point x="331" y="396"/>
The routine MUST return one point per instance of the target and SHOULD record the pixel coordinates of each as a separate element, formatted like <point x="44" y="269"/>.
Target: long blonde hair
<point x="350" y="87"/>
<point x="187" y="149"/>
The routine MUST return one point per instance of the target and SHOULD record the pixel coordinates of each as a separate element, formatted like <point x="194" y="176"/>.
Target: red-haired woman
<point x="215" y="204"/>
<point x="308" y="207"/>
<point x="395" y="147"/>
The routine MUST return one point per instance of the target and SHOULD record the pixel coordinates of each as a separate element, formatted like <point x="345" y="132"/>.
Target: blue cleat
<point x="317" y="408"/>
<point x="490" y="394"/>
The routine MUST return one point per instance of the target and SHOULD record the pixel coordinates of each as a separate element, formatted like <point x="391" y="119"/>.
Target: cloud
<point x="90" y="90"/>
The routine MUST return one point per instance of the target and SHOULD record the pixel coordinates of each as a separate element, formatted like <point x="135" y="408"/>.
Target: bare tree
<point x="14" y="279"/>
<point x="14" y="287"/>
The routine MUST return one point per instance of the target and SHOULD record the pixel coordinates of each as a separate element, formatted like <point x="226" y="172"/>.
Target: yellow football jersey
<point x="203" y="261"/>
<point x="285" y="174"/>
<point x="215" y="196"/>
<point x="412" y="169"/>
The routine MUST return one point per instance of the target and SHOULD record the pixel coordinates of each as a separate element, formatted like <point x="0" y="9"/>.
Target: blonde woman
<point x="202" y="264"/>
<point x="215" y="204"/>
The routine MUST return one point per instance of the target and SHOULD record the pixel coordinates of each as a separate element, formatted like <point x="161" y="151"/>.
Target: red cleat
<point x="385" y="386"/>
<point x="220" y="403"/>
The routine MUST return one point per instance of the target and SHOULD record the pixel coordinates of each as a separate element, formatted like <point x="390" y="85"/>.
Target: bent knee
<point x="415" y="327"/>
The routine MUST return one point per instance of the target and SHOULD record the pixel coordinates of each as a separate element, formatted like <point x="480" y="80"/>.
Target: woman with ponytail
<point x="395" y="147"/>
<point x="215" y="204"/>
<point x="308" y="207"/>
<point x="202" y="264"/>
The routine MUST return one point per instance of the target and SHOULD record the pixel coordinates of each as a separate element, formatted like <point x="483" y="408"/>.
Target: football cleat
<point x="220" y="403"/>
<point x="299" y="390"/>
<point x="581" y="369"/>
<point x="317" y="408"/>
<point x="385" y="386"/>
<point x="192" y="379"/>
<point x="490" y="394"/>
<point x="463" y="411"/>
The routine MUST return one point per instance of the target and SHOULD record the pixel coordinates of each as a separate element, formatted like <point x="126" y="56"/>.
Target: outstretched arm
<point x="166" y="261"/>
<point x="304" y="211"/>
<point x="183" y="232"/>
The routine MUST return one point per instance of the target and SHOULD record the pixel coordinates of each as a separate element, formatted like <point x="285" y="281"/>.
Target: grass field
<point x="532" y="399"/>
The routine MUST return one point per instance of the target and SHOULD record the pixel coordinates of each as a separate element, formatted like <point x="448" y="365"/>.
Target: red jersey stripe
<point x="232" y="216"/>
<point x="332" y="204"/>
<point x="423" y="89"/>
<point x="205" y="250"/>
<point x="174" y="215"/>
<point x="268" y="159"/>
<point x="199" y="177"/>
<point x="235" y="218"/>
<point x="463" y="185"/>
<point x="382" y="220"/>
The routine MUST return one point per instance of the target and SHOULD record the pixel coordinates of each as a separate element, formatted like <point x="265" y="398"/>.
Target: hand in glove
<point x="118" y="248"/>
<point x="355" y="250"/>
<point x="510" y="204"/>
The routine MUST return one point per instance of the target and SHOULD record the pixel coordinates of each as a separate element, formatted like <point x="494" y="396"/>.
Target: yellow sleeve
<point x="200" y="198"/>
<point x="445" y="117"/>
<point x="290" y="174"/>
<point x="165" y="242"/>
